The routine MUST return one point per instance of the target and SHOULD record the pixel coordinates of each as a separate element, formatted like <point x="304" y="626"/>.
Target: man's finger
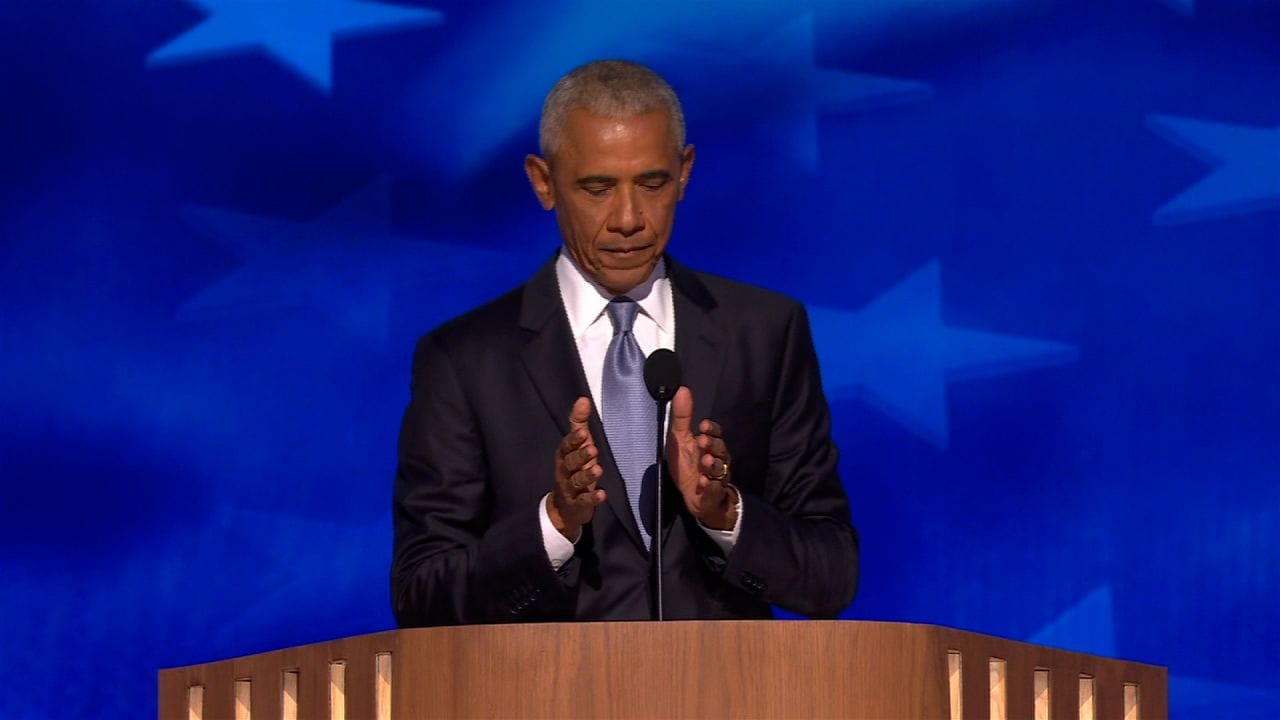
<point x="711" y="427"/>
<point x="715" y="467"/>
<point x="682" y="411"/>
<point x="582" y="480"/>
<point x="580" y="414"/>
<point x="578" y="459"/>
<point x="713" y="445"/>
<point x="572" y="442"/>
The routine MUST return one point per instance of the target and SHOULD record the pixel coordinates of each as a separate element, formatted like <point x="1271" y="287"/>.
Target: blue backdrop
<point x="1038" y="240"/>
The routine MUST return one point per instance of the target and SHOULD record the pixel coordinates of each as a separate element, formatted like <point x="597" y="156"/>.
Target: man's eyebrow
<point x="653" y="175"/>
<point x="597" y="180"/>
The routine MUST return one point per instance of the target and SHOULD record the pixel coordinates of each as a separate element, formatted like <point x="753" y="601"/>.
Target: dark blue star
<point x="298" y="34"/>
<point x="899" y="352"/>
<point x="344" y="262"/>
<point x="1246" y="174"/>
<point x="788" y="91"/>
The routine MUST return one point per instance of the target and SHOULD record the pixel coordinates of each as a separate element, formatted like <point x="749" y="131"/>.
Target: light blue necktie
<point x="630" y="416"/>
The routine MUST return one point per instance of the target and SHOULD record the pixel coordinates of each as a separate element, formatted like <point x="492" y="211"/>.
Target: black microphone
<point x="662" y="374"/>
<point x="662" y="378"/>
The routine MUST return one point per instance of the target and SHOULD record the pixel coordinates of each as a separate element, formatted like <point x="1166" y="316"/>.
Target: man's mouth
<point x="627" y="250"/>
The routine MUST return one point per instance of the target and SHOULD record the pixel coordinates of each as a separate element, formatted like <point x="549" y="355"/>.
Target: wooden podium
<point x="732" y="669"/>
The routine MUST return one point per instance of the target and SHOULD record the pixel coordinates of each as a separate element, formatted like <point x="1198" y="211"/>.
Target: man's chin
<point x="620" y="278"/>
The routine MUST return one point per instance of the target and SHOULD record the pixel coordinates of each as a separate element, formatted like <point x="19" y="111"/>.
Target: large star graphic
<point x="788" y="90"/>
<point x="698" y="46"/>
<point x="1089" y="627"/>
<point x="899" y="354"/>
<point x="1246" y="174"/>
<point x="344" y="263"/>
<point x="298" y="34"/>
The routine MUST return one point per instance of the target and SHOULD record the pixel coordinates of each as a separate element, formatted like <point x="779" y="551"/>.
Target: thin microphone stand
<point x="657" y="534"/>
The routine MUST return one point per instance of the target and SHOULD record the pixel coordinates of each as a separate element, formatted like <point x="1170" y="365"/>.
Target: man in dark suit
<point x="524" y="492"/>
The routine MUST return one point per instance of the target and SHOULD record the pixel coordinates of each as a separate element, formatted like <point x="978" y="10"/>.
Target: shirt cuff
<point x="559" y="549"/>
<point x="724" y="539"/>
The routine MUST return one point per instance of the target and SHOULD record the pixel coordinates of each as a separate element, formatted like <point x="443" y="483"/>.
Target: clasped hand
<point x="699" y="465"/>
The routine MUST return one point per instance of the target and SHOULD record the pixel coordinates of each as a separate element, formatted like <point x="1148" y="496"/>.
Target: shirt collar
<point x="585" y="299"/>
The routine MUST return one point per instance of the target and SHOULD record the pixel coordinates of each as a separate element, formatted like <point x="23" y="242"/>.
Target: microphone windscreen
<point x="662" y="374"/>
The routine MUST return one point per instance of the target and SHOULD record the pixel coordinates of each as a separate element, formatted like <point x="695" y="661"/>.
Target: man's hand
<point x="574" y="497"/>
<point x="700" y="465"/>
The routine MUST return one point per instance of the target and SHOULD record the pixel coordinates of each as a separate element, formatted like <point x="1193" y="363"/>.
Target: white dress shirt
<point x="585" y="302"/>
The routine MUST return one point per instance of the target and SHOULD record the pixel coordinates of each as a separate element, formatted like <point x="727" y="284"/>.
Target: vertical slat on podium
<point x="1042" y="694"/>
<point x="382" y="686"/>
<point x="195" y="702"/>
<point x="997" y="688"/>
<point x="1132" y="701"/>
<point x="955" y="684"/>
<point x="243" y="698"/>
<point x="1086" y="697"/>
<point x="336" y="682"/>
<point x="289" y="694"/>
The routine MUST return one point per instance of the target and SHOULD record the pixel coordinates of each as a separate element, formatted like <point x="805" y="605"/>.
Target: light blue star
<point x="298" y="34"/>
<point x="1246" y="174"/>
<point x="344" y="263"/>
<point x="898" y="352"/>
<point x="1182" y="7"/>
<point x="787" y="89"/>
<point x="1088" y="626"/>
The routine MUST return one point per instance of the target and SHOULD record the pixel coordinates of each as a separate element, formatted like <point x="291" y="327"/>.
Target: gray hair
<point x="609" y="88"/>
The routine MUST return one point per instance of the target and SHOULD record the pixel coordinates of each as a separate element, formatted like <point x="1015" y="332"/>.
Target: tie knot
<point x="622" y="313"/>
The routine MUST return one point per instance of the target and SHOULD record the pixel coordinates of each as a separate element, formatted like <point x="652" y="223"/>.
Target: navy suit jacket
<point x="490" y="397"/>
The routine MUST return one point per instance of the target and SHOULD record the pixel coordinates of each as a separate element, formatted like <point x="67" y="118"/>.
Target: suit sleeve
<point x="797" y="547"/>
<point x="454" y="561"/>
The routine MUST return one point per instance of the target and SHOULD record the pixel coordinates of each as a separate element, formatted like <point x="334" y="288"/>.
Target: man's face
<point x="614" y="185"/>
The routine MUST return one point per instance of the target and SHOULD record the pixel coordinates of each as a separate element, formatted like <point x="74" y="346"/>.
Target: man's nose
<point x="626" y="217"/>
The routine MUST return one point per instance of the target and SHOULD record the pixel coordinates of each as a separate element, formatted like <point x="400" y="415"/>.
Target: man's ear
<point x="540" y="178"/>
<point x="686" y="165"/>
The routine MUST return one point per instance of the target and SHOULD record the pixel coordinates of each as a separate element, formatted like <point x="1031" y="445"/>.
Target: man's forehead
<point x="585" y="130"/>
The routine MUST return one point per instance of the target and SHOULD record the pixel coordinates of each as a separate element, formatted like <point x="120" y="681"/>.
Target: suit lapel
<point x="551" y="360"/>
<point x="699" y="343"/>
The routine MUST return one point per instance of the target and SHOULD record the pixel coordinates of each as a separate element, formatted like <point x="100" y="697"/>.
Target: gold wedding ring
<point x="724" y="471"/>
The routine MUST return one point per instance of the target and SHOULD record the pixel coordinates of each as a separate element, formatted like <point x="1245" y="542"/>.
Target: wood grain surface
<point x="728" y="669"/>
